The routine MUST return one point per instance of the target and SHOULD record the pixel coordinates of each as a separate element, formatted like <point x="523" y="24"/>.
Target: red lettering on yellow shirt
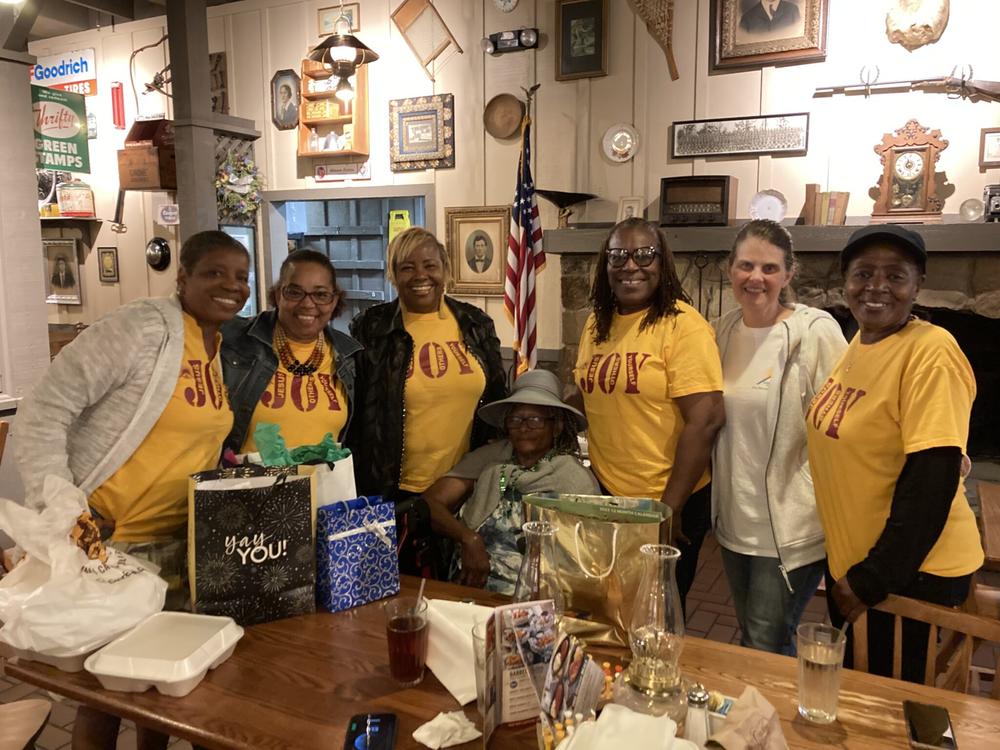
<point x="312" y="396"/>
<point x="280" y="389"/>
<point x="432" y="360"/>
<point x="327" y="382"/>
<point x="587" y="381"/>
<point x="632" y="366"/>
<point x="464" y="368"/>
<point x="275" y="397"/>
<point x="205" y="389"/>
<point x="607" y="376"/>
<point x="604" y="371"/>
<point x="834" y="397"/>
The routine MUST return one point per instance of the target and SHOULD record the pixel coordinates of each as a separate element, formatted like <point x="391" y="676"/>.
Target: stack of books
<point x="824" y="207"/>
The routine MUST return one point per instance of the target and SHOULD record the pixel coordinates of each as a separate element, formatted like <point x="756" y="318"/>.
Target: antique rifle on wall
<point x="962" y="86"/>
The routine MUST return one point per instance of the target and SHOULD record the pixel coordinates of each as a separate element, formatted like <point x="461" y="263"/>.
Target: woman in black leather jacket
<point x="429" y="362"/>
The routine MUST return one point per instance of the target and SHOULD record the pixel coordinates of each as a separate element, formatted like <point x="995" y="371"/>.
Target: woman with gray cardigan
<point x="131" y="408"/>
<point x="775" y="356"/>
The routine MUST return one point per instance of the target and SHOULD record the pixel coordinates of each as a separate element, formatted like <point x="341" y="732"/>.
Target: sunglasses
<point x="531" y="423"/>
<point x="641" y="256"/>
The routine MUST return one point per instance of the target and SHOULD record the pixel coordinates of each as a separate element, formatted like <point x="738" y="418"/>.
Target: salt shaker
<point x="696" y="728"/>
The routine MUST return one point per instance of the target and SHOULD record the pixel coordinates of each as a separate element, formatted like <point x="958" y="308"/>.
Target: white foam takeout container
<point x="68" y="660"/>
<point x="171" y="651"/>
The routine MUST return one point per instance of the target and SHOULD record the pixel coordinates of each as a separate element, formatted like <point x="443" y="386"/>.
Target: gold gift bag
<point x="597" y="557"/>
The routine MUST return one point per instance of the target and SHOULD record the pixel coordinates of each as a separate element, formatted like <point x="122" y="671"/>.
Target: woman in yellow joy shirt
<point x="429" y="362"/>
<point x="651" y="383"/>
<point x="129" y="410"/>
<point x="886" y="436"/>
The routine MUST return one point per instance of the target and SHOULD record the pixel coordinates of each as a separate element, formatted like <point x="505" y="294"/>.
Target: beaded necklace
<point x="288" y="360"/>
<point x="509" y="494"/>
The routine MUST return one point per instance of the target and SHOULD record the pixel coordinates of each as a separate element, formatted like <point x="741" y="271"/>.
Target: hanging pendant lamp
<point x="342" y="53"/>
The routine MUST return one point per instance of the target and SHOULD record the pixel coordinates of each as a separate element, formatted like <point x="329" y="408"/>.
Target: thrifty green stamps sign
<point x="60" y="130"/>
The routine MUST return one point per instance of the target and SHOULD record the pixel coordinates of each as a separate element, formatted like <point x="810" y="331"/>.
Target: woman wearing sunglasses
<point x="540" y="454"/>
<point x="289" y="366"/>
<point x="651" y="382"/>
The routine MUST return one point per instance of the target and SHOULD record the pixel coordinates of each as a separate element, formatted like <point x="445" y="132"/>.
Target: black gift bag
<point x="251" y="543"/>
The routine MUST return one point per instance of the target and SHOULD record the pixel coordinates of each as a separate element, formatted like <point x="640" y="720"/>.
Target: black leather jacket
<point x="249" y="363"/>
<point x="376" y="434"/>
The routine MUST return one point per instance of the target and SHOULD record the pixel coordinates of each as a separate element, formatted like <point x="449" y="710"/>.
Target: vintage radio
<point x="703" y="201"/>
<point x="991" y="199"/>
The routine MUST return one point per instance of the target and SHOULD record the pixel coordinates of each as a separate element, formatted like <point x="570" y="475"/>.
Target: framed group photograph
<point x="107" y="265"/>
<point x="581" y="39"/>
<point x="989" y="148"/>
<point x="62" y="272"/>
<point x="422" y="133"/>
<point x="476" y="239"/>
<point x="327" y="17"/>
<point x="741" y="136"/>
<point x="285" y="87"/>
<point x="755" y="33"/>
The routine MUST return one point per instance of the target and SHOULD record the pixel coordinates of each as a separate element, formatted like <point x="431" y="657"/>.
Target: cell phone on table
<point x="928" y="726"/>
<point x="371" y="732"/>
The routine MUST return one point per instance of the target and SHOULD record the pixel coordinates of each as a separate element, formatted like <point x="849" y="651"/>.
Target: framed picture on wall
<point x="989" y="148"/>
<point x="755" y="33"/>
<point x="581" y="39"/>
<point x="62" y="272"/>
<point x="477" y="248"/>
<point x="107" y="265"/>
<point x="741" y="136"/>
<point x="630" y="207"/>
<point x="327" y="17"/>
<point x="285" y="88"/>
<point x="422" y="133"/>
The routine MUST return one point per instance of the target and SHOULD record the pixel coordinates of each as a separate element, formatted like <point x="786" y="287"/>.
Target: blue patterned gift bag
<point x="356" y="553"/>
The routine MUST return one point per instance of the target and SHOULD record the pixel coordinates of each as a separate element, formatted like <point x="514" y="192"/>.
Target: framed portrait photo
<point x="741" y="136"/>
<point x="285" y="87"/>
<point x="581" y="39"/>
<point x="327" y="17"/>
<point x="989" y="148"/>
<point x="755" y="33"/>
<point x="62" y="272"/>
<point x="107" y="265"/>
<point x="630" y="207"/>
<point x="422" y="133"/>
<point x="477" y="248"/>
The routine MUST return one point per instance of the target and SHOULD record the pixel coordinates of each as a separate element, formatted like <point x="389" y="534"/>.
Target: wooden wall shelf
<point x="353" y="115"/>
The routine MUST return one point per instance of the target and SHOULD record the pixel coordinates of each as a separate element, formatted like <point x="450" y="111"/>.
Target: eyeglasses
<point x="297" y="294"/>
<point x="643" y="256"/>
<point x="532" y="423"/>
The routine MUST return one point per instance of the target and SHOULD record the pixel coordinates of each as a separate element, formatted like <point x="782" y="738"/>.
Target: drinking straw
<point x="420" y="596"/>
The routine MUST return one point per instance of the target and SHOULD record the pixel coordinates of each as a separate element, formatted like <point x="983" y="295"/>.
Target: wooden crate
<point x="147" y="168"/>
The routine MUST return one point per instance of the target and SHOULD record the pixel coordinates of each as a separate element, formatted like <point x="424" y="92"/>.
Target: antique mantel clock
<point x="907" y="192"/>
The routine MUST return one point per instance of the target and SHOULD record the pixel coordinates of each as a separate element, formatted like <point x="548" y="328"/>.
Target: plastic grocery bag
<point x="57" y="601"/>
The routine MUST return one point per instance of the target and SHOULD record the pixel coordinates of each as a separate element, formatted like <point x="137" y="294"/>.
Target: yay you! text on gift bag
<point x="251" y="548"/>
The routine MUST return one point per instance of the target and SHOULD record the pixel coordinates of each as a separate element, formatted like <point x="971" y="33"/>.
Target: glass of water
<point x="821" y="658"/>
<point x="479" y="655"/>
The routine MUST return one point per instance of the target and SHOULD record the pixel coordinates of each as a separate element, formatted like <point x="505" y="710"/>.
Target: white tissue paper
<point x="447" y="729"/>
<point x="449" y="645"/>
<point x="619" y="728"/>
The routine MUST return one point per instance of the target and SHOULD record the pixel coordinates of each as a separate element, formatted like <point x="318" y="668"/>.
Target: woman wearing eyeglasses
<point x="540" y="454"/>
<point x="651" y="382"/>
<point x="289" y="366"/>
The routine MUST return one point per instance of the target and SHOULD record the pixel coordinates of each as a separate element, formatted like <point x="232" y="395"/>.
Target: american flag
<point x="524" y="258"/>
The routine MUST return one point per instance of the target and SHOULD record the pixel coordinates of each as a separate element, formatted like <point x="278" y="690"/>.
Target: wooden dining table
<point x="296" y="683"/>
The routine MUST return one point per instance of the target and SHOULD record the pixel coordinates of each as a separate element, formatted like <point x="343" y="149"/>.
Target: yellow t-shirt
<point x="147" y="496"/>
<point x="629" y="384"/>
<point x="306" y="407"/>
<point x="443" y="386"/>
<point x="909" y="392"/>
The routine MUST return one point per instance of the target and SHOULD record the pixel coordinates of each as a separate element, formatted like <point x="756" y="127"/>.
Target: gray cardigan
<point x="100" y="397"/>
<point x="812" y="345"/>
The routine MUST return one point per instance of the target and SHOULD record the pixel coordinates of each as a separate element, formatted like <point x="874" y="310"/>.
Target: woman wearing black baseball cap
<point x="886" y="436"/>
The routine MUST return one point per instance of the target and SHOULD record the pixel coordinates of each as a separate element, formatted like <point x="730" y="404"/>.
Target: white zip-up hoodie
<point x="812" y="344"/>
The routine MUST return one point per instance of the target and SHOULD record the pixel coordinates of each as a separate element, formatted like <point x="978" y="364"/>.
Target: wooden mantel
<point x="979" y="237"/>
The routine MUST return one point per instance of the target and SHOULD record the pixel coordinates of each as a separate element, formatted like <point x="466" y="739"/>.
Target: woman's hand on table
<point x="848" y="603"/>
<point x="475" y="561"/>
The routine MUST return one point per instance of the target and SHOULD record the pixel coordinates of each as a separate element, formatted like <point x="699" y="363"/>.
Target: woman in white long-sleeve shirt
<point x="775" y="356"/>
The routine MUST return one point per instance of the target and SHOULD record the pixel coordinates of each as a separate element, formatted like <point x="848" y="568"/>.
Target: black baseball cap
<point x="905" y="239"/>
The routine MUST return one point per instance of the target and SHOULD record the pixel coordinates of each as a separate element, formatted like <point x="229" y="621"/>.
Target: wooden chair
<point x="948" y="662"/>
<point x="21" y="722"/>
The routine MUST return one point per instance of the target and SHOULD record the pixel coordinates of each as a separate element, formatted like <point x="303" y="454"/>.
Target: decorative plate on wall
<point x="768" y="204"/>
<point x="620" y="142"/>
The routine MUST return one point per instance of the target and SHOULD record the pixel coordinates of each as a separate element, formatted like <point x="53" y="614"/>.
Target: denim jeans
<point x="696" y="520"/>
<point x="948" y="592"/>
<point x="767" y="611"/>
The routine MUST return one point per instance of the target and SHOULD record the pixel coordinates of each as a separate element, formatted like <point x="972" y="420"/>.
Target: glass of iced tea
<point x="821" y="658"/>
<point x="406" y="632"/>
